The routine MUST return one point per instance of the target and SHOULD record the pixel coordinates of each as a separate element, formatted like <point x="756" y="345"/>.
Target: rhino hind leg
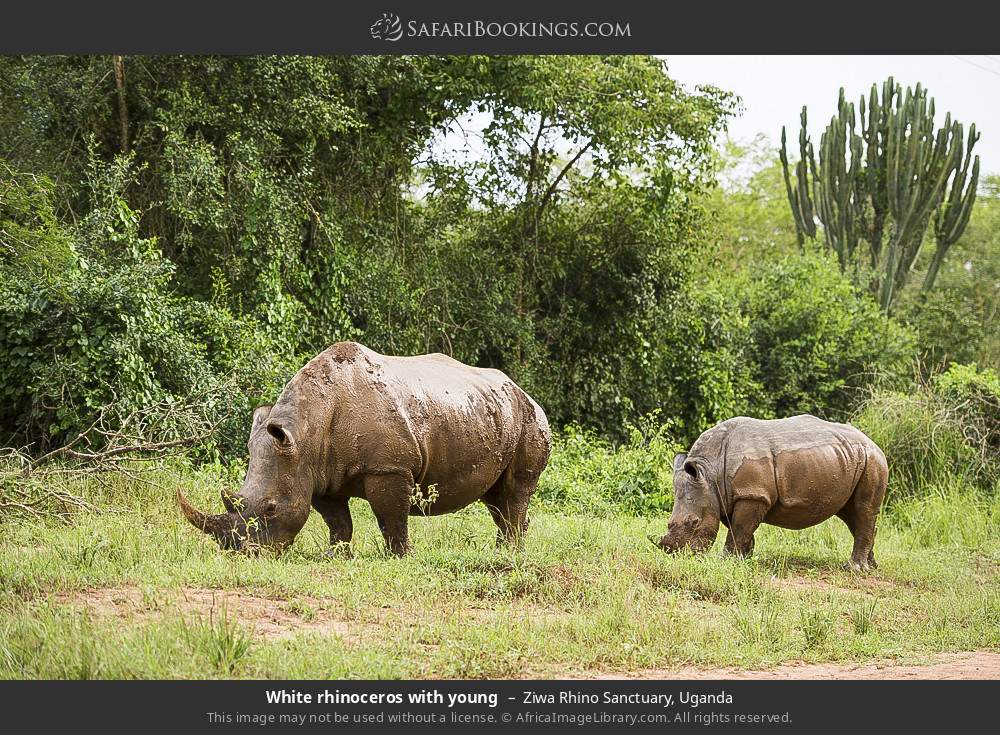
<point x="507" y="502"/>
<point x="508" y="499"/>
<point x="861" y="514"/>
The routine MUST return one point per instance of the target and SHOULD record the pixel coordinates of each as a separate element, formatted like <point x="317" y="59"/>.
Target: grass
<point x="134" y="592"/>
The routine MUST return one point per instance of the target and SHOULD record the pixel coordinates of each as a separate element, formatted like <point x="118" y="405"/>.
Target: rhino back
<point x="448" y="424"/>
<point x="805" y="468"/>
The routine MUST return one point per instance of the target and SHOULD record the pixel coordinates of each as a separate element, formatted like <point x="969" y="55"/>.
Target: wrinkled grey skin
<point x="356" y="424"/>
<point x="793" y="473"/>
<point x="272" y="505"/>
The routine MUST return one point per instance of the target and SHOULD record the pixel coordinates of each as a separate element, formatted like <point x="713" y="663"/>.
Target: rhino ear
<point x="281" y="436"/>
<point x="259" y="415"/>
<point x="679" y="461"/>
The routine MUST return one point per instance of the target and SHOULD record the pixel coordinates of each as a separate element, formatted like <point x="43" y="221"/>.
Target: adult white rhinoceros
<point x="420" y="435"/>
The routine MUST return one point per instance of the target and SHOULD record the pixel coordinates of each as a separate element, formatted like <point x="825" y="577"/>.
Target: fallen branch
<point x="46" y="485"/>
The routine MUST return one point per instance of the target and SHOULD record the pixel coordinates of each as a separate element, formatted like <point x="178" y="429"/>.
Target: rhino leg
<point x="508" y="499"/>
<point x="863" y="530"/>
<point x="337" y="514"/>
<point x="747" y="516"/>
<point x="507" y="502"/>
<point x="861" y="514"/>
<point x="389" y="497"/>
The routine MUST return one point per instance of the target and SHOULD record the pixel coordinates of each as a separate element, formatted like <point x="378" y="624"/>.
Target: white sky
<point x="774" y="89"/>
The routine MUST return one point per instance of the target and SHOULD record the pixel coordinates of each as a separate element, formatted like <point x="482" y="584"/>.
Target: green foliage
<point x="588" y="474"/>
<point x="816" y="340"/>
<point x="921" y="439"/>
<point x="946" y="327"/>
<point x="780" y="337"/>
<point x="948" y="428"/>
<point x="958" y="321"/>
<point x="89" y="321"/>
<point x="582" y="229"/>
<point x="274" y="205"/>
<point x="749" y="210"/>
<point x="257" y="209"/>
<point x="975" y="394"/>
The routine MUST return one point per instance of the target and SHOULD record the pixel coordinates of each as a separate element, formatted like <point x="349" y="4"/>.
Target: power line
<point x="978" y="66"/>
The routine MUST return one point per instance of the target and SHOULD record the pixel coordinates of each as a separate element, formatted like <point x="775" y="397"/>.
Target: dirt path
<point x="966" y="665"/>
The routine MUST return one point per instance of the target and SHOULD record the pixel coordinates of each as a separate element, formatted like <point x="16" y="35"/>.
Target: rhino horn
<point x="666" y="543"/>
<point x="229" y="501"/>
<point x="220" y="526"/>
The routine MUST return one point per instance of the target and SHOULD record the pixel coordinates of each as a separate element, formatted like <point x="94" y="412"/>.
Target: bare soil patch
<point x="859" y="583"/>
<point x="965" y="665"/>
<point x="267" y="617"/>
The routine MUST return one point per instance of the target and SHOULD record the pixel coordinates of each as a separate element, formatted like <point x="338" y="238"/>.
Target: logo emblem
<point x="387" y="28"/>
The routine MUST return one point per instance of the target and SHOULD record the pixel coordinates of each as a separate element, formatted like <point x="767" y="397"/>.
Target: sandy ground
<point x="266" y="617"/>
<point x="965" y="665"/>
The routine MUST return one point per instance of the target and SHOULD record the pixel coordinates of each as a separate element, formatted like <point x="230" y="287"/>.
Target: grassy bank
<point x="133" y="592"/>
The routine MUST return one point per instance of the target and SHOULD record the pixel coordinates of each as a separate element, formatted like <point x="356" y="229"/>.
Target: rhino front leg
<point x="337" y="514"/>
<point x="747" y="516"/>
<point x="389" y="496"/>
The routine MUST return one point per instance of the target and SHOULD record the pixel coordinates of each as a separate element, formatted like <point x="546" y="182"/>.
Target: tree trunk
<point x="119" y="64"/>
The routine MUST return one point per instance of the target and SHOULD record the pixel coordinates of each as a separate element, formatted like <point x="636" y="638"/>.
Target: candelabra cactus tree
<point x="883" y="184"/>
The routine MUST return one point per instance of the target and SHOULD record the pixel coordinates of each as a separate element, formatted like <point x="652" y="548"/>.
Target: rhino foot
<point x="340" y="550"/>
<point x="860" y="566"/>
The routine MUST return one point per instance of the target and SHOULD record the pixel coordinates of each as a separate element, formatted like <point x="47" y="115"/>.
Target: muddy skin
<point x="422" y="435"/>
<point x="793" y="473"/>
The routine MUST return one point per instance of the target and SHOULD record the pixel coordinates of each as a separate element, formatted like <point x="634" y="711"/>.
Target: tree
<point x="586" y="199"/>
<point x="277" y="204"/>
<point x="749" y="211"/>
<point x="884" y="186"/>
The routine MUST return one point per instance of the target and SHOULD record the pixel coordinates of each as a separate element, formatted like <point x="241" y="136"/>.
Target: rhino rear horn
<point x="230" y="501"/>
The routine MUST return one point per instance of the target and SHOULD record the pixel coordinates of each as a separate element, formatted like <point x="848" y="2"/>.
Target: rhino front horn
<point x="220" y="526"/>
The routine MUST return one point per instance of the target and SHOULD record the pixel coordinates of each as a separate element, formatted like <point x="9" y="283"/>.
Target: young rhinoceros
<point x="793" y="473"/>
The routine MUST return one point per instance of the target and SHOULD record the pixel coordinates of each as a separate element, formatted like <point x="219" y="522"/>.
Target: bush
<point x="589" y="474"/>
<point x="816" y="339"/>
<point x="90" y="322"/>
<point x="946" y="326"/>
<point x="975" y="394"/>
<point x="946" y="429"/>
<point x="921" y="438"/>
<point x="779" y="338"/>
